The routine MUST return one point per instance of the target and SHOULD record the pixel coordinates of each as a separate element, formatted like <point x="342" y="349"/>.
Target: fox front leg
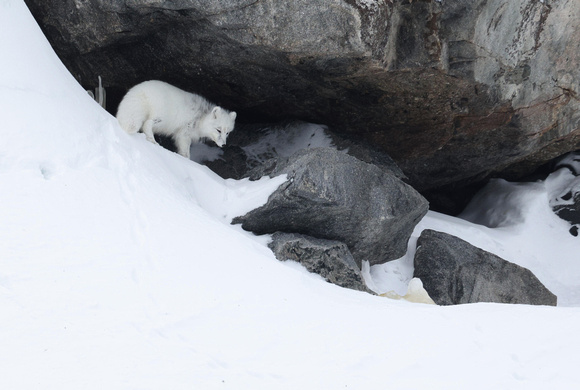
<point x="183" y="143"/>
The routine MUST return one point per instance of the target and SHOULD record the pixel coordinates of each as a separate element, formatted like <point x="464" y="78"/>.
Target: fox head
<point x="219" y="124"/>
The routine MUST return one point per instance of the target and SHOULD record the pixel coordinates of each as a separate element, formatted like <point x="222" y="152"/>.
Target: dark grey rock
<point x="368" y="153"/>
<point x="330" y="259"/>
<point x="276" y="140"/>
<point x="232" y="164"/>
<point x="453" y="272"/>
<point x="334" y="196"/>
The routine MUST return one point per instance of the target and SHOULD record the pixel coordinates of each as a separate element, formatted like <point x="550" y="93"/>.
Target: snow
<point x="119" y="270"/>
<point x="284" y="141"/>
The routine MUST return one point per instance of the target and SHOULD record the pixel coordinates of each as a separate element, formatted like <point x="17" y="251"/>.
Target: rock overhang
<point x="453" y="92"/>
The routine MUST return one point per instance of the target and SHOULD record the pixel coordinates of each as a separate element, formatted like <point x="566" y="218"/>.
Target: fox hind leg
<point x="147" y="129"/>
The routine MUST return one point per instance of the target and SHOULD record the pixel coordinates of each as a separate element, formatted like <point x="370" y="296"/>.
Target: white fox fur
<point x="156" y="107"/>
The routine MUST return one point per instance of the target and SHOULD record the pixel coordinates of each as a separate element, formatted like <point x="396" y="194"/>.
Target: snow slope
<point x="119" y="270"/>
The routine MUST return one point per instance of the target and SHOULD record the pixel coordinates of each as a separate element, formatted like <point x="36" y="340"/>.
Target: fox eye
<point x="219" y="131"/>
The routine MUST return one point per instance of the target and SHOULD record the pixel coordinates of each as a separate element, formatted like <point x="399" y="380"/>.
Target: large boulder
<point x="452" y="90"/>
<point x="331" y="195"/>
<point x="330" y="259"/>
<point x="453" y="272"/>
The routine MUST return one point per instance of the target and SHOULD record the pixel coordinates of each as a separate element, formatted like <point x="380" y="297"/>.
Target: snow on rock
<point x="515" y="197"/>
<point x="119" y="270"/>
<point x="564" y="196"/>
<point x="284" y="141"/>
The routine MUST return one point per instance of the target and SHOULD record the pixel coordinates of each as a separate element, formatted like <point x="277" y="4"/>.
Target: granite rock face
<point x="452" y="90"/>
<point x="330" y="259"/>
<point x="454" y="272"/>
<point x="331" y="195"/>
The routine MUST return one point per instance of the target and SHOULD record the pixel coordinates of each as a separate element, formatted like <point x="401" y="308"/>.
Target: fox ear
<point x="233" y="115"/>
<point x="215" y="111"/>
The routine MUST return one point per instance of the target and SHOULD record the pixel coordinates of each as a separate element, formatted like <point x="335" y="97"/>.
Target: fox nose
<point x="221" y="141"/>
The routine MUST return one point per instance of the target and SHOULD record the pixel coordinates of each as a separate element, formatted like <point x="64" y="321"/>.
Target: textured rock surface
<point x="568" y="208"/>
<point x="254" y="144"/>
<point x="566" y="201"/>
<point x="454" y="271"/>
<point x="330" y="259"/>
<point x="452" y="90"/>
<point x="334" y="196"/>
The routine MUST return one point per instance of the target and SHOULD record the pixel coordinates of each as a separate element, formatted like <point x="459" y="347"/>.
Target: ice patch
<point x="416" y="293"/>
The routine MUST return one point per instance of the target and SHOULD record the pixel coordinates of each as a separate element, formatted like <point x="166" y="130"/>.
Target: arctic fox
<point x="157" y="107"/>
